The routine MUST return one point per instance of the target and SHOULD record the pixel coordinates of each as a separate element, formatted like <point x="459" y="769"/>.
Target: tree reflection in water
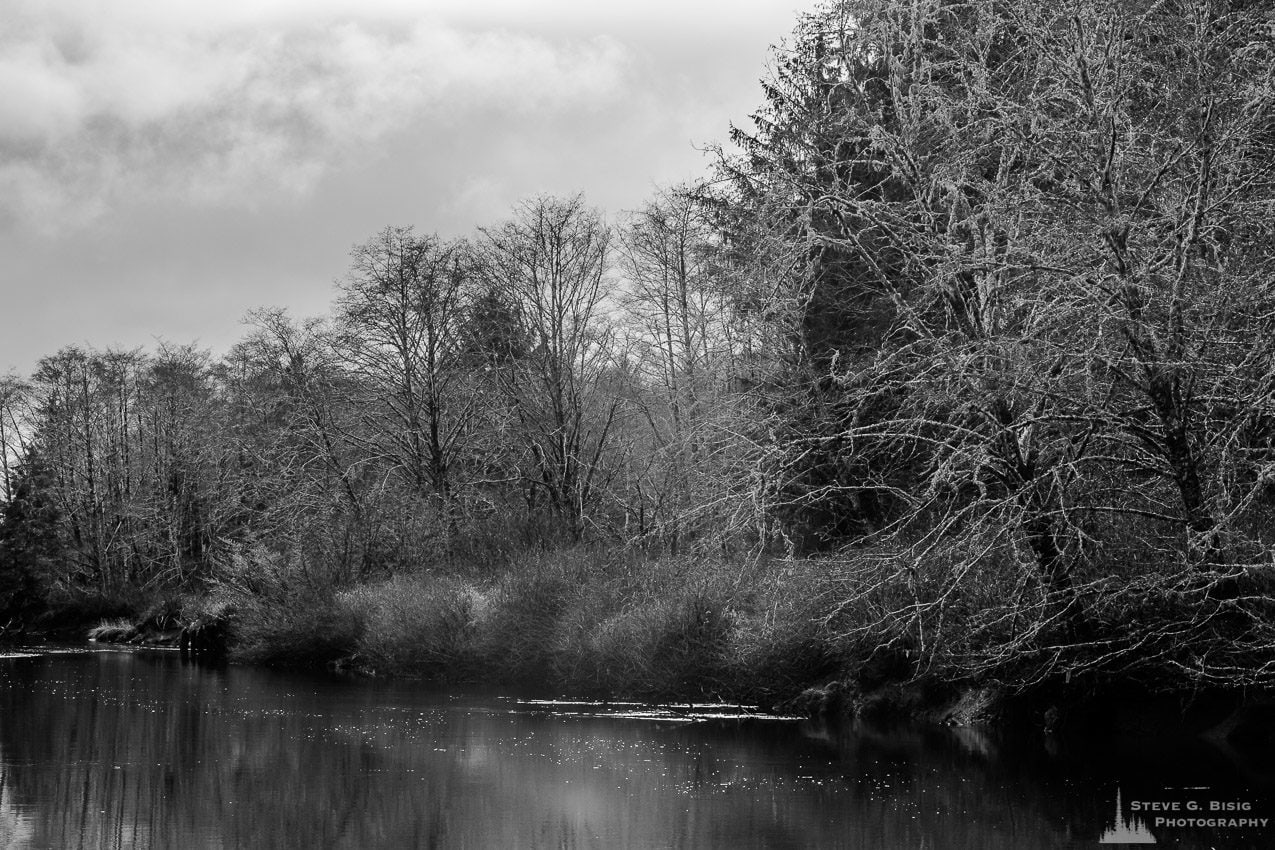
<point x="123" y="750"/>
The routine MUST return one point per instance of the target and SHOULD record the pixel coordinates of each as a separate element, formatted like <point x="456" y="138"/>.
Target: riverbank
<point x="820" y="637"/>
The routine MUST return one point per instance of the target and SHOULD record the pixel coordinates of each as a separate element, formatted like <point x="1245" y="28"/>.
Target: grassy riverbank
<point x="856" y="633"/>
<point x="603" y="623"/>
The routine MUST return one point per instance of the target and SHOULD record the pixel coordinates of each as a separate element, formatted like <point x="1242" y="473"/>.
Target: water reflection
<point x="124" y="750"/>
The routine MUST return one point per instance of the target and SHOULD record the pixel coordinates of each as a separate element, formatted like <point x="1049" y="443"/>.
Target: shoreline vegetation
<point x="616" y="625"/>
<point x="949" y="392"/>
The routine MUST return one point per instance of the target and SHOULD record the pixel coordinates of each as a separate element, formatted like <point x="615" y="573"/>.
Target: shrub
<point x="311" y="630"/>
<point x="80" y="607"/>
<point x="782" y="642"/>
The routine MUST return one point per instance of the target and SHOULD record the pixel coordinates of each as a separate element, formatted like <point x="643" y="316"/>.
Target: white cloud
<point x="232" y="101"/>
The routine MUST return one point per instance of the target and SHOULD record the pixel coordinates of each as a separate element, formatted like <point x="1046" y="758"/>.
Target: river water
<point x="115" y="749"/>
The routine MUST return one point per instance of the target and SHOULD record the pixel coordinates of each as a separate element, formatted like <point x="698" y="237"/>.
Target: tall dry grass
<point x="582" y="621"/>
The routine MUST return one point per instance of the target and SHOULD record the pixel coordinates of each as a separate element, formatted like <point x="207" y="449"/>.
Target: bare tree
<point x="679" y="319"/>
<point x="400" y="312"/>
<point x="14" y="427"/>
<point x="550" y="263"/>
<point x="311" y="443"/>
<point x="69" y="436"/>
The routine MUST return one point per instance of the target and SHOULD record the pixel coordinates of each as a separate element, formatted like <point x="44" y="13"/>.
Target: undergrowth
<point x="608" y="624"/>
<point x="615" y="624"/>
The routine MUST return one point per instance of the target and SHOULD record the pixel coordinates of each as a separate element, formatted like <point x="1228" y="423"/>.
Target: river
<point x="115" y="749"/>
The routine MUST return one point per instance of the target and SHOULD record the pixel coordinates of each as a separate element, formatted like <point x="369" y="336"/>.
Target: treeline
<point x="977" y="315"/>
<point x="556" y="379"/>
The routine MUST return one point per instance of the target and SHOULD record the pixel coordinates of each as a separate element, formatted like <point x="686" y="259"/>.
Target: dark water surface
<point x="105" y="749"/>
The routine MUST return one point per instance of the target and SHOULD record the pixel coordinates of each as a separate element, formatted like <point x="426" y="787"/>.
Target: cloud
<point x="232" y="102"/>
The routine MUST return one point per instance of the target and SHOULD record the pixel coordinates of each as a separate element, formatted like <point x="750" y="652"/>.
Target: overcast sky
<point x="166" y="166"/>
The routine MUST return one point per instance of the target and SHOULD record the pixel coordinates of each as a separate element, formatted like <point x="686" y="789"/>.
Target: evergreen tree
<point x="29" y="543"/>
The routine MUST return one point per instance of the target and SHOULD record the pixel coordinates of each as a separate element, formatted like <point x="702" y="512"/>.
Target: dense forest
<point x="956" y="368"/>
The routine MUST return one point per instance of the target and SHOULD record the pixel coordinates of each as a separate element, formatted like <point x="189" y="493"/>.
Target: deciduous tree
<point x="400" y="315"/>
<point x="549" y="262"/>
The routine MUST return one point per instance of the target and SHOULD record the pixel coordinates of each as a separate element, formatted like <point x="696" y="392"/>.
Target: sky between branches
<point x="167" y="165"/>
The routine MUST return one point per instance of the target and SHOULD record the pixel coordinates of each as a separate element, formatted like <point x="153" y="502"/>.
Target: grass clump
<point x="661" y="648"/>
<point x="118" y="630"/>
<point x="519" y="636"/>
<point x="417" y="625"/>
